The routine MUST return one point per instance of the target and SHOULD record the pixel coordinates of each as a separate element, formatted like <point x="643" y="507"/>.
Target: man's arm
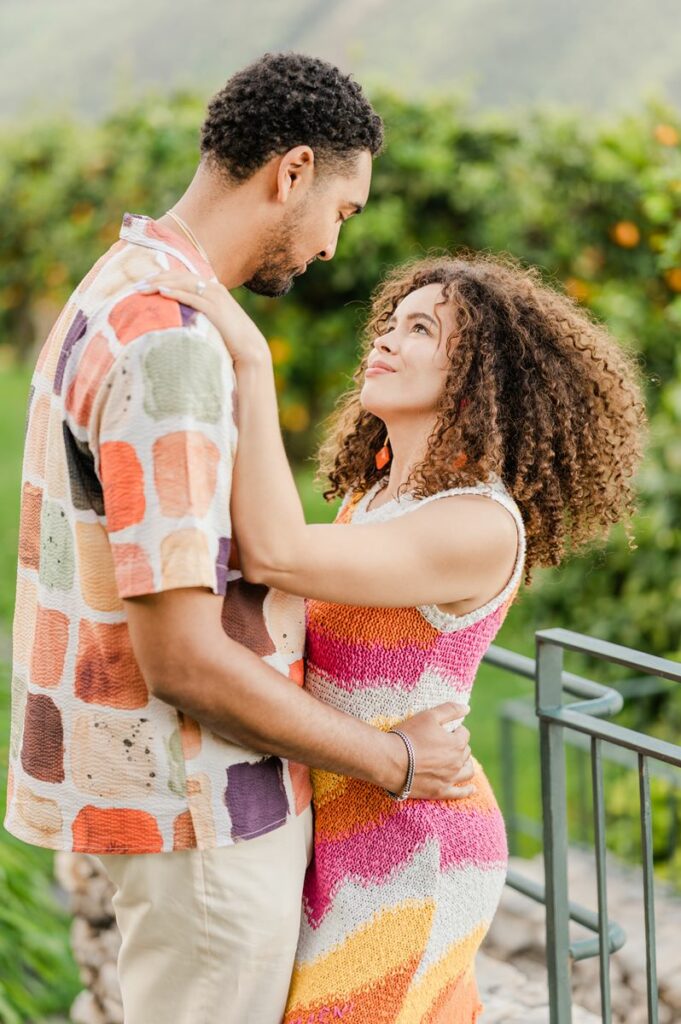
<point x="188" y="661"/>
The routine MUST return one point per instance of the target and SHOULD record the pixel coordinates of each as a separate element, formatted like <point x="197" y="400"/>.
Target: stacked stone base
<point x="95" y="939"/>
<point x="517" y="937"/>
<point x="511" y="966"/>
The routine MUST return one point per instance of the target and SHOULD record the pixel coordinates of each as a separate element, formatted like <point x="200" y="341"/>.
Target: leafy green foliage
<point x="596" y="207"/>
<point x="37" y="973"/>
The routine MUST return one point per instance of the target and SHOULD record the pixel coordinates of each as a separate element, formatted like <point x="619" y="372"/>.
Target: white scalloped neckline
<point x="446" y="622"/>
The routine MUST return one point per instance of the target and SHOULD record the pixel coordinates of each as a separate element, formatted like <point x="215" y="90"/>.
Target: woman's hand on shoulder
<point x="243" y="339"/>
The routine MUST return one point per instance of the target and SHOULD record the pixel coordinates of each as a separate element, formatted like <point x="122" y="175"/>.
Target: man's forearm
<point x="259" y="708"/>
<point x="197" y="668"/>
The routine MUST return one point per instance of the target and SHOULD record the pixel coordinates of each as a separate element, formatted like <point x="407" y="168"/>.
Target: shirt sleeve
<point x="163" y="437"/>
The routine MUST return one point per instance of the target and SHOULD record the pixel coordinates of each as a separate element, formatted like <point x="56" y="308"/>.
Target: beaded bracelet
<point x="406" y="790"/>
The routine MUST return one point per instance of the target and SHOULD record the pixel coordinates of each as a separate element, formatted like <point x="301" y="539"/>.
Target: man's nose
<point x="329" y="251"/>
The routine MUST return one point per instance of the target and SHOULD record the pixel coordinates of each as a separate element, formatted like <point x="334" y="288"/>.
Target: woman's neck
<point x="408" y="445"/>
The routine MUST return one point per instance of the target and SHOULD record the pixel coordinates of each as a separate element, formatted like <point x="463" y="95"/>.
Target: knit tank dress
<point x="399" y="895"/>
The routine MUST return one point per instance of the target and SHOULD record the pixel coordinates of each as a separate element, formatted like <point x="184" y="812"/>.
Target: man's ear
<point x="295" y="170"/>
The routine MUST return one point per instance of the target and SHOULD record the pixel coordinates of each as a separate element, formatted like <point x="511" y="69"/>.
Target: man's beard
<point x="276" y="265"/>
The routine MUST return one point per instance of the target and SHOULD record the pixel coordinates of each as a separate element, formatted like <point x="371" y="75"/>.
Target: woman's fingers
<point x="175" y="280"/>
<point x="187" y="298"/>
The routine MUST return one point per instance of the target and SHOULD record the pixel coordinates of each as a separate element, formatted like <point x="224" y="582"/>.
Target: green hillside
<point x="605" y="55"/>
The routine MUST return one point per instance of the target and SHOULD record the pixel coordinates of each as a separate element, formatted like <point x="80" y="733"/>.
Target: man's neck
<point x="224" y="223"/>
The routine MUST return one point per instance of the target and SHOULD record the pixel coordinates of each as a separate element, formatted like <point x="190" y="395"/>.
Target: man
<point x="149" y="678"/>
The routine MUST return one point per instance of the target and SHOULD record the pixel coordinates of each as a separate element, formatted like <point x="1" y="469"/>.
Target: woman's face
<point x="408" y="365"/>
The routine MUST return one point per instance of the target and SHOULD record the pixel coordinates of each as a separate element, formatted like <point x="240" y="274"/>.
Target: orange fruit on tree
<point x="667" y="135"/>
<point x="626" y="234"/>
<point x="673" y="278"/>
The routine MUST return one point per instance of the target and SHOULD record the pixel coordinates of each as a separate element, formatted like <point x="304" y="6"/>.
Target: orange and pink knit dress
<point x="399" y="895"/>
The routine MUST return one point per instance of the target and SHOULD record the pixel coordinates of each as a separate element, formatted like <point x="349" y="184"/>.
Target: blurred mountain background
<point x="89" y="56"/>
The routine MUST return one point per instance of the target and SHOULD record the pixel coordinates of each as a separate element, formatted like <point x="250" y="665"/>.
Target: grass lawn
<point x="14" y="385"/>
<point x="37" y="974"/>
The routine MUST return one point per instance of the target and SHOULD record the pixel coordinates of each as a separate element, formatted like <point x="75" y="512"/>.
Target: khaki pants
<point x="210" y="937"/>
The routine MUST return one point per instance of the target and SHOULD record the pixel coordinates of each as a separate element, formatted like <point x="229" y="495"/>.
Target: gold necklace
<point x="186" y="230"/>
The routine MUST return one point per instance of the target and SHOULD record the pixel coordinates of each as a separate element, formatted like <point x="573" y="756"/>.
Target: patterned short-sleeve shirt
<point x="130" y="443"/>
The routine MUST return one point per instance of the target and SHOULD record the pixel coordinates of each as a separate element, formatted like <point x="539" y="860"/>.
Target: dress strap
<point x="496" y="491"/>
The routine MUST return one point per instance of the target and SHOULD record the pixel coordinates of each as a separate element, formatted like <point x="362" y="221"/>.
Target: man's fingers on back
<point x="450" y="711"/>
<point x="459" y="792"/>
<point x="461" y="736"/>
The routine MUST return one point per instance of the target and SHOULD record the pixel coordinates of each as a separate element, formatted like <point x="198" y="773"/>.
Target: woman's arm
<point x="454" y="549"/>
<point x="451" y="550"/>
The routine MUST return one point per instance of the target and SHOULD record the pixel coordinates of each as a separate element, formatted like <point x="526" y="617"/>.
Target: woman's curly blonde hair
<point x="537" y="392"/>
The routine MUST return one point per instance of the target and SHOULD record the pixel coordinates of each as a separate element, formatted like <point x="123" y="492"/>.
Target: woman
<point x="493" y="427"/>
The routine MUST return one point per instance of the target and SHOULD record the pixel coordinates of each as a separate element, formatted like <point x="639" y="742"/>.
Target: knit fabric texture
<point x="399" y="895"/>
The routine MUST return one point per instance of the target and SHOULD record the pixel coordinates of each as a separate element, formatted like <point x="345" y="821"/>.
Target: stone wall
<point x="517" y="937"/>
<point x="511" y="965"/>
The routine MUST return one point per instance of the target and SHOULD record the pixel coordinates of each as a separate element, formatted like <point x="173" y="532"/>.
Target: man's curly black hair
<point x="285" y="100"/>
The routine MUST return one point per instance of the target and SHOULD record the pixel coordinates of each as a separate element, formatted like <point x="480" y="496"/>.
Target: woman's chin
<point x="371" y="402"/>
<point x="372" y="407"/>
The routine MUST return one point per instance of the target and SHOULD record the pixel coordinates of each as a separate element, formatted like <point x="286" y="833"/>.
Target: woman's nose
<point x="386" y="341"/>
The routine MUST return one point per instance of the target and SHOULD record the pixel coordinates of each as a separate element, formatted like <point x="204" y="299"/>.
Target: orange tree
<point x="595" y="206"/>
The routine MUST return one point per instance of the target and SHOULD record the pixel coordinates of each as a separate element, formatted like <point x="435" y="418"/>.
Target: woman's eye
<point x="422" y="326"/>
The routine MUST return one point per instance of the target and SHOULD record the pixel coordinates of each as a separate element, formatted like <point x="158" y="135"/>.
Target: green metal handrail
<point x="554" y="718"/>
<point x="583" y="716"/>
<point x="580" y="949"/>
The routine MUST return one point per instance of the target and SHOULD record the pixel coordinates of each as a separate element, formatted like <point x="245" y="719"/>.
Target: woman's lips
<point x="373" y="371"/>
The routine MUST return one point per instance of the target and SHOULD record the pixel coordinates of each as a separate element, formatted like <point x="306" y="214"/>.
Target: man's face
<point x="309" y="228"/>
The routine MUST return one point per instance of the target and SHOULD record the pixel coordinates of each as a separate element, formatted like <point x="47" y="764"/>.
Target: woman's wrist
<point x="255" y="361"/>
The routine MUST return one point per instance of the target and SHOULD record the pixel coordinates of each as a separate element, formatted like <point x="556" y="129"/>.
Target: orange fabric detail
<point x="185" y="473"/>
<point x="184" y="837"/>
<point x="106" y="670"/>
<point x="52" y="634"/>
<point x="115" y="830"/>
<point x="95" y="362"/>
<point x="296" y="672"/>
<point x="134" y="574"/>
<point x="302" y="787"/>
<point x="138" y="314"/>
<point x="368" y="625"/>
<point x="29" y="531"/>
<point x="190" y="734"/>
<point x="123" y="482"/>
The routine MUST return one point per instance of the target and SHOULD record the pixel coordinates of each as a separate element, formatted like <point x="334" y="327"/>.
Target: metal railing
<point x="583" y="717"/>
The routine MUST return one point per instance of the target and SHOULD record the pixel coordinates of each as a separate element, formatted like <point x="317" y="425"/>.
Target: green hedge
<point x="596" y="206"/>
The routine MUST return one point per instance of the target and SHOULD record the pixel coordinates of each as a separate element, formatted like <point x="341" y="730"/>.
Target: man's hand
<point x="443" y="759"/>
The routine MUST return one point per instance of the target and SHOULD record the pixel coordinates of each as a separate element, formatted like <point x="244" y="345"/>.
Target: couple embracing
<point x="197" y="670"/>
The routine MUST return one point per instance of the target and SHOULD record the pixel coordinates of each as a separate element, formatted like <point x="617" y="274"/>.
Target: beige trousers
<point x="209" y="937"/>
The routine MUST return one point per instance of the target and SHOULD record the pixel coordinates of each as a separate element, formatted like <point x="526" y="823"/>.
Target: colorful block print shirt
<point x="127" y="468"/>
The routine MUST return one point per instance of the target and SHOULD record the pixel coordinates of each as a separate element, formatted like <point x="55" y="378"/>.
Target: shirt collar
<point x="148" y="232"/>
